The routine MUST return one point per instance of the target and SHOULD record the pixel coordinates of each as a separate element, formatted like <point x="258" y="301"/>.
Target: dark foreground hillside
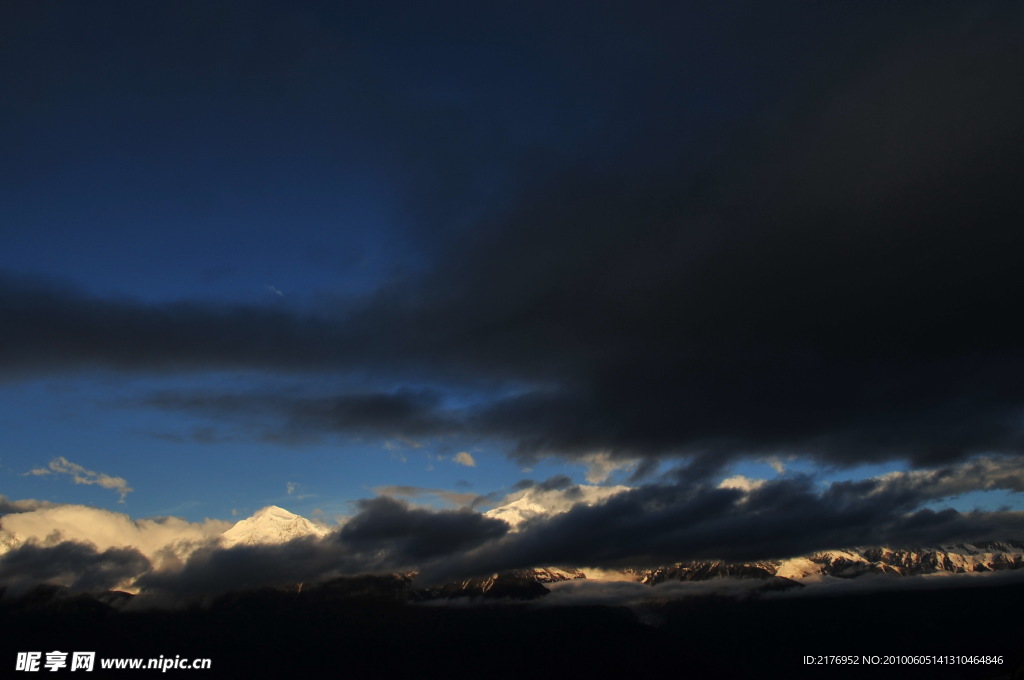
<point x="318" y="633"/>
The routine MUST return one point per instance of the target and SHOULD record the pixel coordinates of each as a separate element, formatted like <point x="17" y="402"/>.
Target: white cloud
<point x="463" y="458"/>
<point x="776" y="463"/>
<point x="80" y="475"/>
<point x="741" y="482"/>
<point x="291" y="487"/>
<point x="162" y="540"/>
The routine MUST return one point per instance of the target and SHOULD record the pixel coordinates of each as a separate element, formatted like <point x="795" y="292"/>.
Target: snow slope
<point x="269" y="526"/>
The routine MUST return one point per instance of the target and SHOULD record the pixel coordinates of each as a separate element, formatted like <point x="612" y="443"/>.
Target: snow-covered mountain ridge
<point x="274" y="525"/>
<point x="518" y="584"/>
<point x="955" y="559"/>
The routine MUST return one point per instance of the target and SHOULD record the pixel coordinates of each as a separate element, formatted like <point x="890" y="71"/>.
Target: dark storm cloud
<point x="832" y="272"/>
<point x="848" y="294"/>
<point x="76" y="565"/>
<point x="56" y="327"/>
<point x="385" y="525"/>
<point x="405" y="413"/>
<point x="983" y="474"/>
<point x="555" y="482"/>
<point x="212" y="571"/>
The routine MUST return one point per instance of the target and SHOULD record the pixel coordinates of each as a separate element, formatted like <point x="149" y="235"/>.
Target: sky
<point x="379" y="263"/>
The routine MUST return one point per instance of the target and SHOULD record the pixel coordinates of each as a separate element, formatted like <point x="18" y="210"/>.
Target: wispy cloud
<point x="80" y="475"/>
<point x="776" y="463"/>
<point x="602" y="464"/>
<point x="452" y="498"/>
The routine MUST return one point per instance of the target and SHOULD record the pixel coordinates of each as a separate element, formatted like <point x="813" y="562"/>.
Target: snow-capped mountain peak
<point x="535" y="502"/>
<point x="271" y="525"/>
<point x="8" y="541"/>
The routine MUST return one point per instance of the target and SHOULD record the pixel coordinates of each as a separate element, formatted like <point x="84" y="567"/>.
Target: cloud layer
<point x="646" y="526"/>
<point x="834" y="275"/>
<point x="163" y="541"/>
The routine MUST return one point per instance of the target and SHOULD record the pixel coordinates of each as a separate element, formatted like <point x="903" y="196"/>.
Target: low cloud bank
<point x="88" y="548"/>
<point x="645" y="526"/>
<point x="584" y="592"/>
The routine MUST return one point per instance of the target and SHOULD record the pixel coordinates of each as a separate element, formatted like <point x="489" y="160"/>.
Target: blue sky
<point x="295" y="252"/>
<point x="196" y="468"/>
